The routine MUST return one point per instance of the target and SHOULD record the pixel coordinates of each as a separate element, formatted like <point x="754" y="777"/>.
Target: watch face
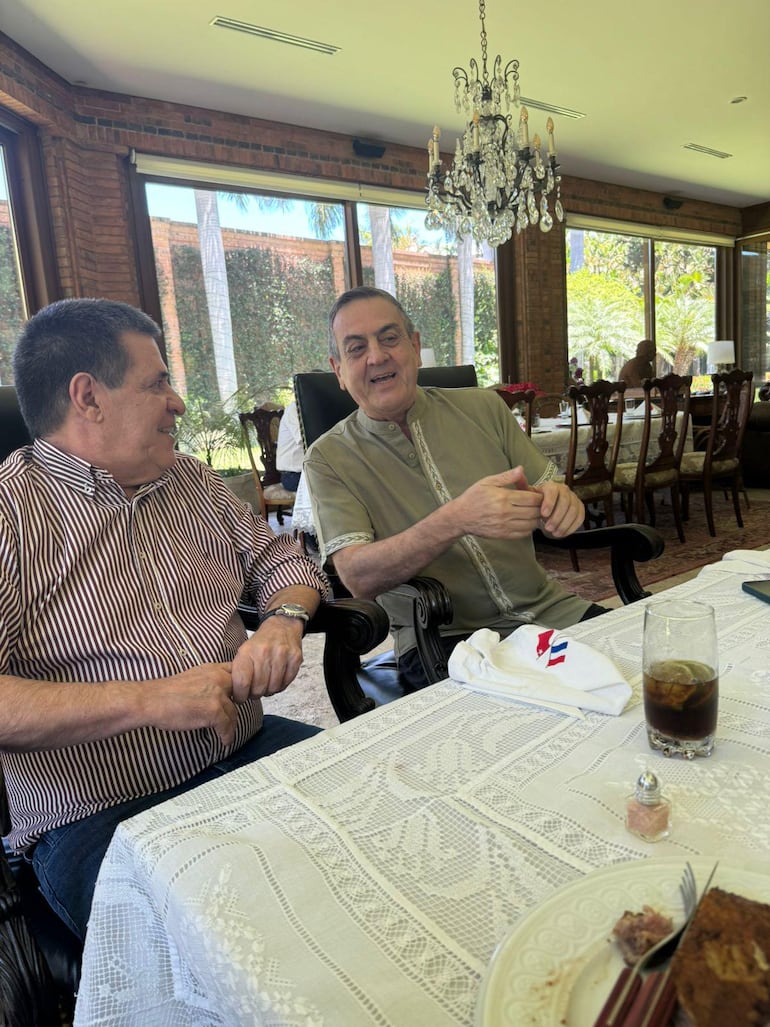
<point x="294" y="610"/>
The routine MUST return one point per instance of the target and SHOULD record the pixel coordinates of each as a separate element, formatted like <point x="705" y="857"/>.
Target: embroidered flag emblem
<point x="556" y="653"/>
<point x="544" y="642"/>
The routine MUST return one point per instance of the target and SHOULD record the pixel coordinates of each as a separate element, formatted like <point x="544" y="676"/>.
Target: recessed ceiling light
<point x="707" y="150"/>
<point x="274" y="34"/>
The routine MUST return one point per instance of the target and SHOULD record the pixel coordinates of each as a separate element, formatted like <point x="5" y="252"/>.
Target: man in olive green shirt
<point x="440" y="482"/>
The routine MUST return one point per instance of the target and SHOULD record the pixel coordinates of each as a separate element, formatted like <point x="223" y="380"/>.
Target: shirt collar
<point x="385" y="427"/>
<point x="85" y="477"/>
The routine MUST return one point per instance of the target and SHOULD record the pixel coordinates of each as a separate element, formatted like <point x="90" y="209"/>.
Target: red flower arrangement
<point x="522" y="387"/>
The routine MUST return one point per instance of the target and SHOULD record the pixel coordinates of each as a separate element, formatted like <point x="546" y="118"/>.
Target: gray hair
<point x="363" y="292"/>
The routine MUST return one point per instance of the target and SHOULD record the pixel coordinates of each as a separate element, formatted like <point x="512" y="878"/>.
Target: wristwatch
<point x="291" y="610"/>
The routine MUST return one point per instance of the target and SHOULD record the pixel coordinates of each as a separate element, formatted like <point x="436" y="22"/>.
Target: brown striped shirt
<point x="96" y="587"/>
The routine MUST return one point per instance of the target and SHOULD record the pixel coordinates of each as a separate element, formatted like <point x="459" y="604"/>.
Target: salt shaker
<point x="648" y="813"/>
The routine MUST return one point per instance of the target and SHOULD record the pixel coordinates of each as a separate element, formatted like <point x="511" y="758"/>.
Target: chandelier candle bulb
<point x="524" y="127"/>
<point x="551" y="143"/>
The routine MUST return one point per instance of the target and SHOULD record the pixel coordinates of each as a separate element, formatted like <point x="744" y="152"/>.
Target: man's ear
<point x="337" y="368"/>
<point x="83" y="396"/>
<point x="415" y="337"/>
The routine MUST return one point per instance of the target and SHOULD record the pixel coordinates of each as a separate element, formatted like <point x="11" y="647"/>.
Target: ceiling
<point x="649" y="77"/>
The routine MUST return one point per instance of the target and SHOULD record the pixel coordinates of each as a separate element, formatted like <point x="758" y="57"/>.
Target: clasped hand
<point x="505" y="505"/>
<point x="206" y="696"/>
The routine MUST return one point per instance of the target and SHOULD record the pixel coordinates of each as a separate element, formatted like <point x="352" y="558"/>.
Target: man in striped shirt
<point x="126" y="675"/>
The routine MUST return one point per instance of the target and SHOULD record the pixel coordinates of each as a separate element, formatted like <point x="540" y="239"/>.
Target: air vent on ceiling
<point x="706" y="149"/>
<point x="274" y="34"/>
<point x="563" y="112"/>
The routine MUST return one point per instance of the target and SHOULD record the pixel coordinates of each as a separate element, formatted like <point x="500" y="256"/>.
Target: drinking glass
<point x="680" y="677"/>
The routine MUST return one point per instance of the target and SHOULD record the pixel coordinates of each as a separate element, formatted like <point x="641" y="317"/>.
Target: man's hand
<point x="196" y="698"/>
<point x="561" y="511"/>
<point x="268" y="661"/>
<point x="500" y="506"/>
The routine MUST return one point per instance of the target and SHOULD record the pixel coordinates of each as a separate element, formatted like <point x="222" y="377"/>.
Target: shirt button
<point x="413" y="457"/>
<point x="181" y="652"/>
<point x="158" y="607"/>
<point x="392" y="427"/>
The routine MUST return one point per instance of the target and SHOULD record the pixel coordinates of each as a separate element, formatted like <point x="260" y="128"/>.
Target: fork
<point x="629" y="981"/>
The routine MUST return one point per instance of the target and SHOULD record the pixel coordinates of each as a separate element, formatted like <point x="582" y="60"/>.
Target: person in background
<point x="290" y="450"/>
<point x="441" y="482"/>
<point x="639" y="367"/>
<point x="126" y="674"/>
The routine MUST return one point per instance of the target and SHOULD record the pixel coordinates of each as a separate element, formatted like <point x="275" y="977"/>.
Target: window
<point x="246" y="278"/>
<point x="622" y="288"/>
<point x="447" y="288"/>
<point x="13" y="304"/>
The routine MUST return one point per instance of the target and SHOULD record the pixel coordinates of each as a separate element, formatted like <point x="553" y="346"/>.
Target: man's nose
<point x="176" y="403"/>
<point x="377" y="352"/>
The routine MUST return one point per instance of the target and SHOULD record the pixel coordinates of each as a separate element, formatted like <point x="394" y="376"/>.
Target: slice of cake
<point x="722" y="967"/>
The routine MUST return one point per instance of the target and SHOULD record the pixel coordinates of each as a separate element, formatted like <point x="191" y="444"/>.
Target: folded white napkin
<point x="750" y="562"/>
<point x="540" y="666"/>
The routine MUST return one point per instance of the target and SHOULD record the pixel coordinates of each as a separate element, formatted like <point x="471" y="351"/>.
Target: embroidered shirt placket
<point x="476" y="553"/>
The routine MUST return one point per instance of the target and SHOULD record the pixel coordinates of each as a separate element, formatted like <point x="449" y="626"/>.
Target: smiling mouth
<point x="375" y="380"/>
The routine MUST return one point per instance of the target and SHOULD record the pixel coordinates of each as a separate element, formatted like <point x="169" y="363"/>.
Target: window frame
<point x="31" y="212"/>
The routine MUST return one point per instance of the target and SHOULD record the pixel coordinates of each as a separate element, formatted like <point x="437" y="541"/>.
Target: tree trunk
<point x="217" y="291"/>
<point x="467" y="306"/>
<point x="382" y="249"/>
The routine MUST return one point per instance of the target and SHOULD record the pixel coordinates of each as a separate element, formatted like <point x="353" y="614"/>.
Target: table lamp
<point x="722" y="354"/>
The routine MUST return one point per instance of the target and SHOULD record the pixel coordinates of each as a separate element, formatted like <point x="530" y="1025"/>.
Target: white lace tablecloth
<point x="366" y="876"/>
<point x="551" y="438"/>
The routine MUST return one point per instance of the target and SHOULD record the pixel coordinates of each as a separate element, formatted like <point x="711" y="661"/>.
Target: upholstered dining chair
<point x="321" y="404"/>
<point x="39" y="956"/>
<point x="720" y="462"/>
<point x="264" y="421"/>
<point x="666" y="408"/>
<point x="591" y="468"/>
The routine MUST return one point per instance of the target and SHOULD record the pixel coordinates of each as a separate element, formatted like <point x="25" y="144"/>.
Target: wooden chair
<point x="590" y="477"/>
<point x="547" y="404"/>
<point x="263" y="421"/>
<point x="637" y="483"/>
<point x="720" y="463"/>
<point x="39" y="955"/>
<point x="321" y="404"/>
<point x="520" y="401"/>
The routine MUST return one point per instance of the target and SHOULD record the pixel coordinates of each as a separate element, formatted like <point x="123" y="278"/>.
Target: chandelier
<point x="498" y="180"/>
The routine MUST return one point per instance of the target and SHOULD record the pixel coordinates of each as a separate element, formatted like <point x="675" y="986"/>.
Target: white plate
<point x="557" y="965"/>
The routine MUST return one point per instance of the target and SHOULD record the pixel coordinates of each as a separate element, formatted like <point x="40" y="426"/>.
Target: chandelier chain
<point x="482" y="16"/>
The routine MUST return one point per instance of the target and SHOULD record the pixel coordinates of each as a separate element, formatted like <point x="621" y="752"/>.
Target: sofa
<point x="755" y="460"/>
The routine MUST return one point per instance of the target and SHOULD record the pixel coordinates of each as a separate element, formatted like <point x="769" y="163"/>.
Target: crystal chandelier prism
<point x="498" y="179"/>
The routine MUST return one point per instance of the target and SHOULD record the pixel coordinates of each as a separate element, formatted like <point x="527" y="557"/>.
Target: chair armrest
<point x="628" y="544"/>
<point x="432" y="606"/>
<point x="352" y="627"/>
<point x="27" y="992"/>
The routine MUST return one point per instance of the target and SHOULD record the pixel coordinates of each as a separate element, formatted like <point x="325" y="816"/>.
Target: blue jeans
<point x="66" y="860"/>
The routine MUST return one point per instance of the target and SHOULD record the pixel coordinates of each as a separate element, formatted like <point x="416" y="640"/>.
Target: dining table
<point x="451" y="858"/>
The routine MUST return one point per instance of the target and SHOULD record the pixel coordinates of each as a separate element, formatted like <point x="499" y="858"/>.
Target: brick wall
<point x="87" y="135"/>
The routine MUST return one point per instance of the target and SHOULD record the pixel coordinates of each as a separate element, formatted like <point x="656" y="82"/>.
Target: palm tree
<point x="217" y="290"/>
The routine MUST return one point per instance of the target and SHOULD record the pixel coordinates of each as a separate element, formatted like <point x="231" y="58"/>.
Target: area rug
<point x="594" y="579"/>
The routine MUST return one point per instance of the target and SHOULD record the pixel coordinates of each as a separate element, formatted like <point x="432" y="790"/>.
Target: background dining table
<point x="367" y="875"/>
